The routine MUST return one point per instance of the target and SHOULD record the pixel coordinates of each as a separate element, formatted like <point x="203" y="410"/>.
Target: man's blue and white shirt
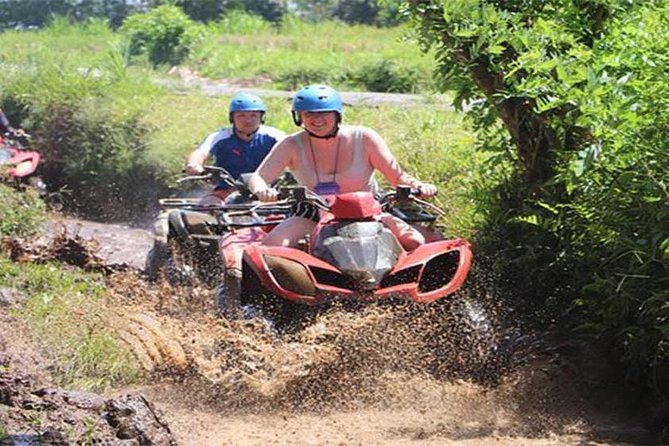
<point x="236" y="155"/>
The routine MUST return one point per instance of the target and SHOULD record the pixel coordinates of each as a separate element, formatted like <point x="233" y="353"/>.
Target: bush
<point x="20" y="211"/>
<point x="165" y="33"/>
<point x="298" y="77"/>
<point x="242" y="23"/>
<point x="101" y="160"/>
<point x="385" y="75"/>
<point x="578" y="208"/>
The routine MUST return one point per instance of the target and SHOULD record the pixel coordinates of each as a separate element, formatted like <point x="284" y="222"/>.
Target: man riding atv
<point x="236" y="150"/>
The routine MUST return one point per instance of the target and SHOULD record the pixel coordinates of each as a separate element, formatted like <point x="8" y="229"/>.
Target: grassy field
<point x="298" y="52"/>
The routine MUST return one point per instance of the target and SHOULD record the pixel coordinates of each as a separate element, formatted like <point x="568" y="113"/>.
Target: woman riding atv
<point x="330" y="158"/>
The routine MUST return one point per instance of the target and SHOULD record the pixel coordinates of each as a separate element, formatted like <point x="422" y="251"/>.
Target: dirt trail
<point x="183" y="78"/>
<point x="383" y="376"/>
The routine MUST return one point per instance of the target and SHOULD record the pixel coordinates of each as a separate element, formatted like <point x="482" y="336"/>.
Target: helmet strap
<point x="332" y="134"/>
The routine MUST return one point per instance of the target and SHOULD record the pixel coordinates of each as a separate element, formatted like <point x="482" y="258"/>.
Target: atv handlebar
<point x="15" y="140"/>
<point x="402" y="194"/>
<point x="213" y="173"/>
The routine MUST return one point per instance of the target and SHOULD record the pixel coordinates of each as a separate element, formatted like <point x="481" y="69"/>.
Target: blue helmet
<point x="247" y="102"/>
<point x="316" y="98"/>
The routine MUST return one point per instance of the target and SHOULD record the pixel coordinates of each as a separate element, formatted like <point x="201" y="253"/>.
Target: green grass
<point x="20" y="211"/>
<point x="65" y="309"/>
<point x="323" y="52"/>
<point x="66" y="314"/>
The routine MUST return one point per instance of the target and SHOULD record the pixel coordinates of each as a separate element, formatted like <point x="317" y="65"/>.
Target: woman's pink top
<point x="358" y="177"/>
<point x="368" y="153"/>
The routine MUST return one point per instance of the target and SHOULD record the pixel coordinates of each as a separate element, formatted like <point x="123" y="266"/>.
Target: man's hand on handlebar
<point x="194" y="169"/>
<point x="20" y="133"/>
<point x="426" y="190"/>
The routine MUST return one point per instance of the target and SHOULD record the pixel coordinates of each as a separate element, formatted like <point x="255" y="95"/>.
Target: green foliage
<point x="357" y="11"/>
<point x="569" y="100"/>
<point x="38" y="13"/>
<point x="20" y="211"/>
<point x="213" y="10"/>
<point x="387" y="76"/>
<point x="243" y="24"/>
<point x="86" y="355"/>
<point x="298" y="52"/>
<point x="166" y="33"/>
<point x="84" y="114"/>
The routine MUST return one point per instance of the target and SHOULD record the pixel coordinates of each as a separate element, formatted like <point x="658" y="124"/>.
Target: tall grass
<point x="20" y="211"/>
<point x="298" y="52"/>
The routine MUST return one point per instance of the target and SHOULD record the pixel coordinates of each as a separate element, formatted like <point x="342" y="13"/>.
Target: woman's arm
<point x="269" y="170"/>
<point x="386" y="163"/>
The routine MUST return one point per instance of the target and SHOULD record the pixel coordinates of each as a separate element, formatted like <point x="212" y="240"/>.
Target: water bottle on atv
<point x="186" y="233"/>
<point x="19" y="163"/>
<point x="351" y="255"/>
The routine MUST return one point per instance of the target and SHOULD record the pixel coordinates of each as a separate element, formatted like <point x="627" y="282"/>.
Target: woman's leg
<point x="215" y="198"/>
<point x="289" y="232"/>
<point x="408" y="236"/>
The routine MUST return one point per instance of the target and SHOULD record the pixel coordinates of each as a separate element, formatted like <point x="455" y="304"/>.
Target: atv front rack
<point x="232" y="217"/>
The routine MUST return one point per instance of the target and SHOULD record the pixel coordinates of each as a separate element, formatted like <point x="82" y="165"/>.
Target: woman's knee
<point x="289" y="232"/>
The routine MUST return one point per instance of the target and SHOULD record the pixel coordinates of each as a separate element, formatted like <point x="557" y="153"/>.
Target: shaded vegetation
<point x="571" y="105"/>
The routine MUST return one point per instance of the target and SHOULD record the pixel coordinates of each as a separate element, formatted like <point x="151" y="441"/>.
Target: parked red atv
<point x="20" y="164"/>
<point x="350" y="256"/>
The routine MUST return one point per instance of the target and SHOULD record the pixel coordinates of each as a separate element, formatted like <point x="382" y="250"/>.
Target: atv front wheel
<point x="284" y="314"/>
<point x="228" y="294"/>
<point x="171" y="261"/>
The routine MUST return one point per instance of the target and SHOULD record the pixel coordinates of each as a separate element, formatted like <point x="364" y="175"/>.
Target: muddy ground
<point x="380" y="375"/>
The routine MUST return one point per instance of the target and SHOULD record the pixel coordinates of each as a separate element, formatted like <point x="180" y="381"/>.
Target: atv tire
<point x="228" y="295"/>
<point x="171" y="261"/>
<point x="462" y="339"/>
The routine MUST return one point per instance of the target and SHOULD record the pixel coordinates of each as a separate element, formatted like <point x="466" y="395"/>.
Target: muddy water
<point x="382" y="375"/>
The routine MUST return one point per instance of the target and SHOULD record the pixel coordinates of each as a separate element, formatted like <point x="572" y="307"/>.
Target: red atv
<point x="350" y="256"/>
<point x="186" y="234"/>
<point x="20" y="163"/>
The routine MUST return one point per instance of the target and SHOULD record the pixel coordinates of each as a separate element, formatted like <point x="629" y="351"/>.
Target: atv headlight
<point x="290" y="275"/>
<point x="439" y="271"/>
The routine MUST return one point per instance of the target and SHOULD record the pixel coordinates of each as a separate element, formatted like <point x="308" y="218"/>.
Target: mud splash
<point x="382" y="374"/>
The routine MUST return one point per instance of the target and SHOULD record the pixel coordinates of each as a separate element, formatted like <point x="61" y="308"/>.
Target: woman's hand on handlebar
<point x="267" y="195"/>
<point x="426" y="190"/>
